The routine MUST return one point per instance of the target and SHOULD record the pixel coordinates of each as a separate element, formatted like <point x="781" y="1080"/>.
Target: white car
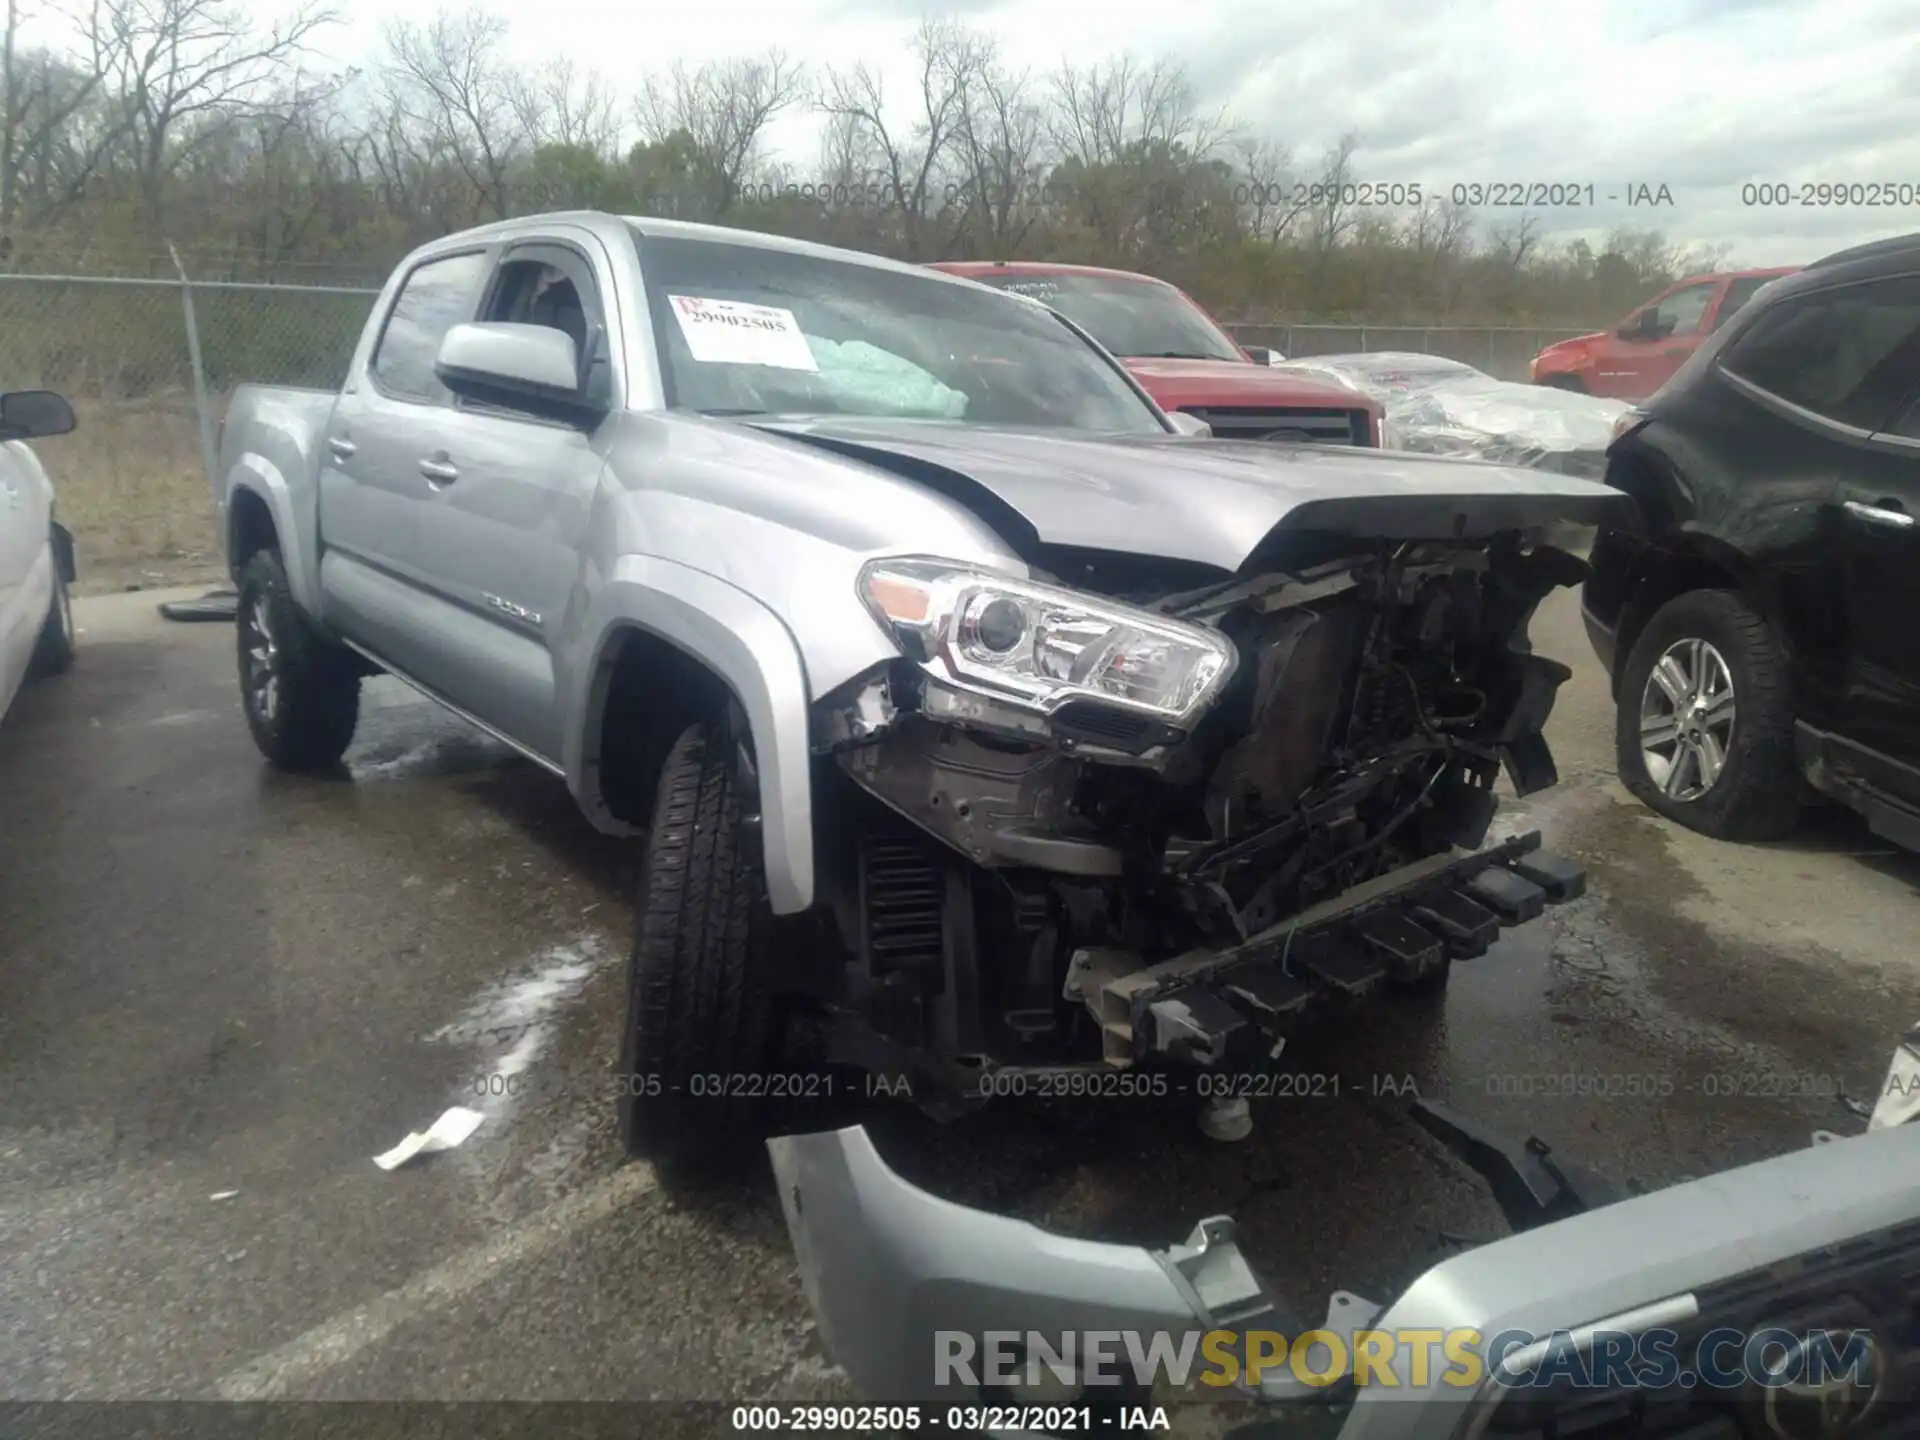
<point x="36" y="552"/>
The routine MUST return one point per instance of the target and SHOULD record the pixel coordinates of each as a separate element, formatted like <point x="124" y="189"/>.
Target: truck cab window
<point x="536" y="292"/>
<point x="1681" y="312"/>
<point x="434" y="298"/>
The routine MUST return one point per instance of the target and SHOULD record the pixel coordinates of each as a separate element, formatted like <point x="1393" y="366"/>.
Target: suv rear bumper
<point x="886" y="1266"/>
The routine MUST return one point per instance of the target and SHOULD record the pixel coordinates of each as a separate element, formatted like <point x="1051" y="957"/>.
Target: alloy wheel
<point x="263" y="662"/>
<point x="1686" y="719"/>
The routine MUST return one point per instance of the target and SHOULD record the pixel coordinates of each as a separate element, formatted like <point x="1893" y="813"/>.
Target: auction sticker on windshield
<point x="733" y="332"/>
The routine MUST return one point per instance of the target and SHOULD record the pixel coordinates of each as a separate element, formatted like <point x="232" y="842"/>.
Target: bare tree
<point x="1514" y="243"/>
<point x="722" y="109"/>
<point x="561" y="104"/>
<point x="948" y="58"/>
<point x="42" y="96"/>
<point x="1273" y="200"/>
<point x="1103" y="112"/>
<point x="1333" y="215"/>
<point x="178" y="70"/>
<point x="447" y="79"/>
<point x="1000" y="137"/>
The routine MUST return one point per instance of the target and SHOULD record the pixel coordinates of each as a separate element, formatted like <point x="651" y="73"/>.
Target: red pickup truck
<point x="1641" y="353"/>
<point x="1182" y="357"/>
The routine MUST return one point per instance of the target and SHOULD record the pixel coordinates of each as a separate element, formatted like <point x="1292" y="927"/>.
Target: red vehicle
<point x="1641" y="353"/>
<point x="1182" y="357"/>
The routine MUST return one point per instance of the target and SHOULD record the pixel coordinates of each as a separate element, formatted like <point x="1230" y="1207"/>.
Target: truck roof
<point x="678" y="229"/>
<point x="1036" y="267"/>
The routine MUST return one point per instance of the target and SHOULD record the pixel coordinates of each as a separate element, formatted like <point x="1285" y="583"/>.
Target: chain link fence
<point x="133" y="355"/>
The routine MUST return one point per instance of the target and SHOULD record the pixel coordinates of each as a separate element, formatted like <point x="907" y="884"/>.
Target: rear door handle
<point x="1885" y="515"/>
<point x="439" y="471"/>
<point x="342" y="447"/>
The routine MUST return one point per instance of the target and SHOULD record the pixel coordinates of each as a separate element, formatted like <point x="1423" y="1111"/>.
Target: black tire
<point x="700" y="1013"/>
<point x="1757" y="793"/>
<point x="1565" y="382"/>
<point x="303" y="706"/>
<point x="54" y="651"/>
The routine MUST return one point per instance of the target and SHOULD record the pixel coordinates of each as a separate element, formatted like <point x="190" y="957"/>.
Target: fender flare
<point x="750" y="650"/>
<point x="259" y="477"/>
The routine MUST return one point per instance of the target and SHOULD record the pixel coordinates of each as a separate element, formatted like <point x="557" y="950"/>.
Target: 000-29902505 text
<point x="1872" y="194"/>
<point x="827" y="1419"/>
<point x="957" y="1419"/>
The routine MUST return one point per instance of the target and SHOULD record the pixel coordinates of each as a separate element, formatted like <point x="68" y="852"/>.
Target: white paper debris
<point x="732" y="332"/>
<point x="223" y="1195"/>
<point x="450" y="1130"/>
<point x="1899" y="1102"/>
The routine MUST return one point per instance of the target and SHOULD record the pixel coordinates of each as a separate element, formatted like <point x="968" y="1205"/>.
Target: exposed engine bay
<point x="1033" y="883"/>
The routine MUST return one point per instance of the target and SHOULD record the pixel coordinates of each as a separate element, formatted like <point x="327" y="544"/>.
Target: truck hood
<point x="1575" y="345"/>
<point x="1209" y="501"/>
<point x="1177" y="384"/>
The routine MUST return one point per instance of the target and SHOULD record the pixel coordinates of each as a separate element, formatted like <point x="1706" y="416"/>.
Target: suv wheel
<point x="53" y="652"/>
<point x="301" y="692"/>
<point x="700" y="1016"/>
<point x="1704" y="727"/>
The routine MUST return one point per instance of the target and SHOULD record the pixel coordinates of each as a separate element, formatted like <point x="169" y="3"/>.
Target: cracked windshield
<point x="861" y="718"/>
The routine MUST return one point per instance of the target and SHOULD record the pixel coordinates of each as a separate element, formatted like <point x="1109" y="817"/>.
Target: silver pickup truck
<point x="971" y="705"/>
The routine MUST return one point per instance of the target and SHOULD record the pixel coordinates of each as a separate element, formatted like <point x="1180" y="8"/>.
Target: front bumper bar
<point x="886" y="1266"/>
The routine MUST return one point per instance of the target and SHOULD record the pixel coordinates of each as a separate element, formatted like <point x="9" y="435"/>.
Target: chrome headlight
<point x="1041" y="645"/>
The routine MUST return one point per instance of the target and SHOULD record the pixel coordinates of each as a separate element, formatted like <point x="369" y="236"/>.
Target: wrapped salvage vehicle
<point x="976" y="713"/>
<point x="1437" y="406"/>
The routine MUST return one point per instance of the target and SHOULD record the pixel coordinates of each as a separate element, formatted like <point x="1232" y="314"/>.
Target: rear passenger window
<point x="1848" y="354"/>
<point x="433" y="299"/>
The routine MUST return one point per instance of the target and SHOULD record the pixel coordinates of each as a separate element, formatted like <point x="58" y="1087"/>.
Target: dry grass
<point x="130" y="485"/>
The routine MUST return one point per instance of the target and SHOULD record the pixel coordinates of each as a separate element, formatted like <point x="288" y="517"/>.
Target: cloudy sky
<point x="1701" y="96"/>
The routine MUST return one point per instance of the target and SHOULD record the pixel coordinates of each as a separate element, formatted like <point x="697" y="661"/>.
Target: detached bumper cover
<point x="886" y="1265"/>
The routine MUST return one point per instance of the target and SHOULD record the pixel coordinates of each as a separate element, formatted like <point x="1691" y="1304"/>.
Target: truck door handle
<point x="342" y="447"/>
<point x="1886" y="515"/>
<point x="439" y="471"/>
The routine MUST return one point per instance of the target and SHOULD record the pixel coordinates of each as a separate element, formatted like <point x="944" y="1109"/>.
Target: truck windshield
<point x="1137" y="318"/>
<point x="744" y="329"/>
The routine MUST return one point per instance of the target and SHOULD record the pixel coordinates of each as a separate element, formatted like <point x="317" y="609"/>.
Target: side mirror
<point x="34" y="414"/>
<point x="1260" y="354"/>
<point x="1638" y="327"/>
<point x="1185" y="424"/>
<point x="521" y="366"/>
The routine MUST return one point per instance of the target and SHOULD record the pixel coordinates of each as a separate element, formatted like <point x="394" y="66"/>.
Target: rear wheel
<point x="700" y="1014"/>
<point x="1704" y="725"/>
<point x="54" y="651"/>
<point x="301" y="692"/>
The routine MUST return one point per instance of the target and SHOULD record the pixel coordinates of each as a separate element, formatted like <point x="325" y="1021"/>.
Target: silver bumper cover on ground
<point x="886" y="1266"/>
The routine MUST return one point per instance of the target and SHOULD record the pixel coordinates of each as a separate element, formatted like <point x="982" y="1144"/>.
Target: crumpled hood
<point x="1210" y="501"/>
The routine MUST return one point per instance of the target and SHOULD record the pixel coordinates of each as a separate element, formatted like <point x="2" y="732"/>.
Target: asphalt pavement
<point x="223" y="990"/>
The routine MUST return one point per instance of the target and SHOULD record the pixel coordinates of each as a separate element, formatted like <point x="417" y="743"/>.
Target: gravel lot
<point x="216" y="979"/>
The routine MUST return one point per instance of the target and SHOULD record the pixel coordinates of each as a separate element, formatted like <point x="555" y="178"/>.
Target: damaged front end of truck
<point x="1123" y="813"/>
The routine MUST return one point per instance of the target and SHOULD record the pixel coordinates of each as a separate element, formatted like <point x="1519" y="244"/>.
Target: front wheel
<point x="54" y="651"/>
<point x="1704" y="727"/>
<point x="700" y="1016"/>
<point x="300" y="690"/>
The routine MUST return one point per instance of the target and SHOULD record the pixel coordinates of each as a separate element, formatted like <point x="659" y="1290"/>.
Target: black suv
<point x="1762" y="627"/>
